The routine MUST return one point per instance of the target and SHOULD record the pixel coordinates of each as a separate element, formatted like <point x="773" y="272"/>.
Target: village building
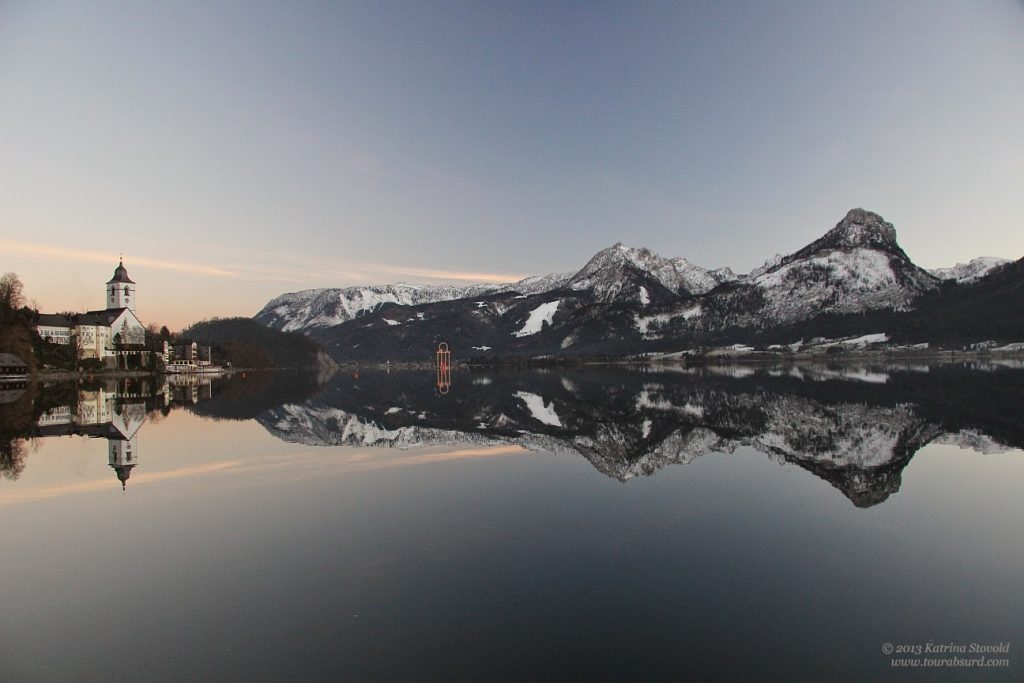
<point x="112" y="334"/>
<point x="113" y="412"/>
<point x="192" y="351"/>
<point x="12" y="367"/>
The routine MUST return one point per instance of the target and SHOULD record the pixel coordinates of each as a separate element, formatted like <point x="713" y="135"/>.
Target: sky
<point x="234" y="151"/>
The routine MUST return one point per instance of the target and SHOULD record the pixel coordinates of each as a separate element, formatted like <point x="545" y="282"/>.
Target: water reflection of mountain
<point x="855" y="428"/>
<point x="253" y="393"/>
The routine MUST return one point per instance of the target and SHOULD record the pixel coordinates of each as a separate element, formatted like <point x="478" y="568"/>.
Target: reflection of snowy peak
<point x="854" y="445"/>
<point x="639" y="423"/>
<point x="970" y="439"/>
<point x="326" y="426"/>
<point x="851" y="435"/>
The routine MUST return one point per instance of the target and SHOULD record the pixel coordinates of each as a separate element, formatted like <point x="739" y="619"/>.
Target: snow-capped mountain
<point x="615" y="274"/>
<point x="321" y="308"/>
<point x="625" y="274"/>
<point x="856" y="266"/>
<point x="628" y="301"/>
<point x="970" y="271"/>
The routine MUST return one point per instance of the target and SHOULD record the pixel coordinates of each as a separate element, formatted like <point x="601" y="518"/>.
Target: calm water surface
<point x="750" y="524"/>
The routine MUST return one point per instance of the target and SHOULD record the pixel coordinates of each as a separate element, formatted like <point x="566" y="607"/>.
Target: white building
<point x="108" y="412"/>
<point x="110" y="333"/>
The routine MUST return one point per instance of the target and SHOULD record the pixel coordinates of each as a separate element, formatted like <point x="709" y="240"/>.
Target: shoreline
<point x="715" y="358"/>
<point x="673" y="360"/>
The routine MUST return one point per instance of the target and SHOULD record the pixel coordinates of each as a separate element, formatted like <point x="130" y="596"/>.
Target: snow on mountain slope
<point x="540" y="316"/>
<point x="625" y="295"/>
<point x="614" y="274"/>
<point x="845" y="281"/>
<point x="971" y="271"/>
<point x="856" y="266"/>
<point x="618" y="273"/>
<point x="321" y="308"/>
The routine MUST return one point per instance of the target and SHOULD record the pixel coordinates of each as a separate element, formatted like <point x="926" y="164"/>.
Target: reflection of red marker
<point x="444" y="370"/>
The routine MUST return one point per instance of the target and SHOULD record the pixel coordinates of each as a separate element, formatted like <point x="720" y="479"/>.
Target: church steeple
<point x="123" y="456"/>
<point x="123" y="472"/>
<point x="120" y="291"/>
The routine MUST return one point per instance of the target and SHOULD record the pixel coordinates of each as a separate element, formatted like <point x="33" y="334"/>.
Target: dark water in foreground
<point x="605" y="524"/>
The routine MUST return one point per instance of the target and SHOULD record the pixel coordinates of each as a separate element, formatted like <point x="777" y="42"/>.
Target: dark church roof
<point x="121" y="274"/>
<point x="105" y="430"/>
<point x="123" y="472"/>
<point x="54" y="320"/>
<point x="9" y="360"/>
<point x="104" y="317"/>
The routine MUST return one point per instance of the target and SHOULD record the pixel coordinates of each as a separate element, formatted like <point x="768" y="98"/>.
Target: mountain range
<point x="854" y="281"/>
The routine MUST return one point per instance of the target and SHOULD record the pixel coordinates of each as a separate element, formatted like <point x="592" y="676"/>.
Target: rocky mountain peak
<point x="615" y="258"/>
<point x="620" y="271"/>
<point x="860" y="228"/>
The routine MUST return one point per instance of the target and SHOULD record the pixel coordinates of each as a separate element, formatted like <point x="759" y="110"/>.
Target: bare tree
<point x="12" y="294"/>
<point x="13" y="455"/>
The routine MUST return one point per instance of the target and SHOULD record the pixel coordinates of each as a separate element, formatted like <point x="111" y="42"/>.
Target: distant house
<point x="195" y="355"/>
<point x="192" y="351"/>
<point x="54" y="327"/>
<point x="110" y="334"/>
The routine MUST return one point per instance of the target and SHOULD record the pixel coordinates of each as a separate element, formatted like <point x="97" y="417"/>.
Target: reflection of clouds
<point x="297" y="466"/>
<point x="425" y="459"/>
<point x="311" y="464"/>
<point x="46" y="492"/>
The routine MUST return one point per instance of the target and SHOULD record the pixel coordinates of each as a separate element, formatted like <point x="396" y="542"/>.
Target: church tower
<point x="123" y="456"/>
<point x="120" y="291"/>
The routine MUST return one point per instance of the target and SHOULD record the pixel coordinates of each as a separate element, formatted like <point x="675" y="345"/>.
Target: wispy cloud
<point x="73" y="254"/>
<point x="300" y="466"/>
<point x="92" y="485"/>
<point x="306" y="465"/>
<point x="312" y="271"/>
<point x="439" y="274"/>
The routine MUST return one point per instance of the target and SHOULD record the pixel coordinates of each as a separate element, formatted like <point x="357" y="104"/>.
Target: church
<point x="112" y="335"/>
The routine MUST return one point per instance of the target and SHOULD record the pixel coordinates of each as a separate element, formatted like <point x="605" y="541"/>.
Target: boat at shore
<point x="191" y="367"/>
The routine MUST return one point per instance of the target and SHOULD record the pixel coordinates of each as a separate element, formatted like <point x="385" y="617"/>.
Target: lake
<point x="613" y="523"/>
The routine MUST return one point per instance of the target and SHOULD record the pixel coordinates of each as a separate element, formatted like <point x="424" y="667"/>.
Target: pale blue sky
<point x="234" y="151"/>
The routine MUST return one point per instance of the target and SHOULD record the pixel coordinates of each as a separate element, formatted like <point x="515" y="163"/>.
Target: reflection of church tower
<point x="120" y="290"/>
<point x="123" y="457"/>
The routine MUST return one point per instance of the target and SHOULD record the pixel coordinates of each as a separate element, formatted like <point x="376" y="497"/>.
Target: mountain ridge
<point x="630" y="300"/>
